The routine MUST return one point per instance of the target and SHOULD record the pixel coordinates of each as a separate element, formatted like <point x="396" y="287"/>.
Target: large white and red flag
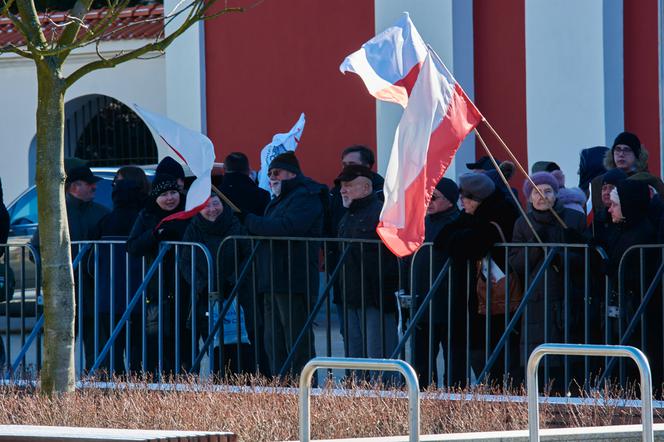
<point x="390" y="62"/>
<point x="438" y="117"/>
<point x="189" y="148"/>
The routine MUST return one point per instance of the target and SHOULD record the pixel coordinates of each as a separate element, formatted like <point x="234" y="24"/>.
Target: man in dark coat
<point x="468" y="239"/>
<point x="240" y="188"/>
<point x="370" y="275"/>
<point x="288" y="270"/>
<point x="603" y="227"/>
<point x="83" y="216"/>
<point x="428" y="262"/>
<point x="353" y="155"/>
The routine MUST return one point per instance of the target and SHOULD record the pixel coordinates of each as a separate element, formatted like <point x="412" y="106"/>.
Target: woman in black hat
<point x="146" y="235"/>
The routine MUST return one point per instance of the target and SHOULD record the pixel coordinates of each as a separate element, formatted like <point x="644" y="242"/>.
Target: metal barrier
<point x="360" y="364"/>
<point x="589" y="350"/>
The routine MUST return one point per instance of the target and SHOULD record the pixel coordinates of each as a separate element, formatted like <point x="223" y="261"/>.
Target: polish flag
<point x="590" y="215"/>
<point x="189" y="148"/>
<point x="438" y="117"/>
<point x="390" y="62"/>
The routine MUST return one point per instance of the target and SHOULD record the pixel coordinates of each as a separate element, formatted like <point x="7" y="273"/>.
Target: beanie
<point x="540" y="178"/>
<point x="476" y="186"/>
<point x="236" y="162"/>
<point x="168" y="166"/>
<point x="449" y="190"/>
<point x="614" y="176"/>
<point x="286" y="161"/>
<point x="163" y="183"/>
<point x="628" y="139"/>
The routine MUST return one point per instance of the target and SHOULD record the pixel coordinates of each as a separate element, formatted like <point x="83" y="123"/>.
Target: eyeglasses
<point x="273" y="172"/>
<point x="623" y="149"/>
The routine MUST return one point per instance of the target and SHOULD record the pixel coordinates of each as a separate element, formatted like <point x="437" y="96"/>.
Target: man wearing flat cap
<point x="370" y="275"/>
<point x="288" y="270"/>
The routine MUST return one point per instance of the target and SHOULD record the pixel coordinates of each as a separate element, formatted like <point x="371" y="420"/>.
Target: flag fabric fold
<point x="280" y="144"/>
<point x="389" y="63"/>
<point x="437" y="118"/>
<point x="189" y="148"/>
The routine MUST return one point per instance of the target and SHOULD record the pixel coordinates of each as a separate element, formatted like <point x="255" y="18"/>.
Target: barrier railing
<point x="360" y="364"/>
<point x="589" y="350"/>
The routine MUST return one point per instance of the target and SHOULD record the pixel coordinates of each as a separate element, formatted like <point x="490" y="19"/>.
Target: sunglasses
<point x="274" y="172"/>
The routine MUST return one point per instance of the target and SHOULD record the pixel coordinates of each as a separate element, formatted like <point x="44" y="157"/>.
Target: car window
<point x="25" y="209"/>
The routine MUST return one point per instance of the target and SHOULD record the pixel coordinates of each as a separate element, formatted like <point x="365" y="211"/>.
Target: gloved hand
<point x="166" y="232"/>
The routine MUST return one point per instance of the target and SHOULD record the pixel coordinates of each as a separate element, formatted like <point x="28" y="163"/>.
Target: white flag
<point x="189" y="148"/>
<point x="280" y="144"/>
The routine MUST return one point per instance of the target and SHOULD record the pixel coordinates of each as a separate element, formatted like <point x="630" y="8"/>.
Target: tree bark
<point x="58" y="373"/>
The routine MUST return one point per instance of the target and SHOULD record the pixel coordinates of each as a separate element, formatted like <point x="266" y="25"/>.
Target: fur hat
<point x="449" y="190"/>
<point x="286" y="161"/>
<point x="476" y="186"/>
<point x="628" y="139"/>
<point x="163" y="183"/>
<point x="540" y="178"/>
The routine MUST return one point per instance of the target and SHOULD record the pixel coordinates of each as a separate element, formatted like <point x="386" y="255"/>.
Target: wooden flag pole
<point x="518" y="164"/>
<point x="502" y="177"/>
<point x="225" y="199"/>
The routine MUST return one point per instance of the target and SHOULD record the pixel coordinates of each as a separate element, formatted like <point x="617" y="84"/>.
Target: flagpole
<point x="518" y="164"/>
<point x="225" y="199"/>
<point x="502" y="176"/>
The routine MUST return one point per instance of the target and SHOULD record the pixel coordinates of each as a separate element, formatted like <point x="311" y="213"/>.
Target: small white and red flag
<point x="189" y="148"/>
<point x="438" y="117"/>
<point x="389" y="63"/>
<point x="590" y="214"/>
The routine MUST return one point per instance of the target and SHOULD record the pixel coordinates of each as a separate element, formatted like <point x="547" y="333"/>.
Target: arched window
<point x="105" y="132"/>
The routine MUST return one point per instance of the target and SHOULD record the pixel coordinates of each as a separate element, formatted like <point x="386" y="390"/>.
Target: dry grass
<point x="273" y="415"/>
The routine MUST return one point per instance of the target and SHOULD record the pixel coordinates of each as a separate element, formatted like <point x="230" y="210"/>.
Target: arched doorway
<point x="106" y="132"/>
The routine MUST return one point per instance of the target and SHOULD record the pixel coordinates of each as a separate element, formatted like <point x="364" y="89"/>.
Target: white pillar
<point x="572" y="76"/>
<point x="185" y="72"/>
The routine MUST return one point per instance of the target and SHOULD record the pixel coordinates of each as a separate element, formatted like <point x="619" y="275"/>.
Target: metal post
<point x="589" y="350"/>
<point x="360" y="364"/>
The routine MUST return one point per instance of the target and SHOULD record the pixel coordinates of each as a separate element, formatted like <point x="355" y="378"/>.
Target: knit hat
<point x="449" y="190"/>
<point x="286" y="161"/>
<point x="163" y="183"/>
<point x="614" y="176"/>
<point x="476" y="186"/>
<point x="483" y="163"/>
<point x="628" y="139"/>
<point x="634" y="199"/>
<point x="544" y="166"/>
<point x="168" y="166"/>
<point x="540" y="178"/>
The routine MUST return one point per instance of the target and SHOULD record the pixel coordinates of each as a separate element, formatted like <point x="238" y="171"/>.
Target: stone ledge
<point x="81" y="434"/>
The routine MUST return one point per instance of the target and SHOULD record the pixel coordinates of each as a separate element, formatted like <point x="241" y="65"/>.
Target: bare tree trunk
<point x="58" y="373"/>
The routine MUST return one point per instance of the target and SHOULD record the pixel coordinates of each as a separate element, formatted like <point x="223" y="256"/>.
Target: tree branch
<point x="30" y="26"/>
<point x="16" y="50"/>
<point x="159" y="46"/>
<point x="68" y="36"/>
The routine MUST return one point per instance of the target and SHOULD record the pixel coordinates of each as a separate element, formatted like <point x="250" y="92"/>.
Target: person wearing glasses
<point x="288" y="286"/>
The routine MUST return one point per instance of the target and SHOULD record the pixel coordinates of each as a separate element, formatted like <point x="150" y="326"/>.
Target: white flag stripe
<point x="280" y="144"/>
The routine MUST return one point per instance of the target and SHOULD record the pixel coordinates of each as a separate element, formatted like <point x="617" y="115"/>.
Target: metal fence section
<point x="589" y="350"/>
<point x="360" y="364"/>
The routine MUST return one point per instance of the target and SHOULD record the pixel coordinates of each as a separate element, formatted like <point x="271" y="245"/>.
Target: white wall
<point x="566" y="86"/>
<point x="185" y="72"/>
<point x="138" y="81"/>
<point x="447" y="26"/>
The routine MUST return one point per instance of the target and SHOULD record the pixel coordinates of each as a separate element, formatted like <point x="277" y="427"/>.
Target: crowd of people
<point x="465" y="220"/>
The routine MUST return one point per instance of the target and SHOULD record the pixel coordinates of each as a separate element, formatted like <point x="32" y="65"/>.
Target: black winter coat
<point x="143" y="241"/>
<point x="550" y="231"/>
<point x="337" y="209"/>
<point x="296" y="212"/>
<point x="211" y="235"/>
<point x="423" y="274"/>
<point x="244" y="193"/>
<point x="362" y="262"/>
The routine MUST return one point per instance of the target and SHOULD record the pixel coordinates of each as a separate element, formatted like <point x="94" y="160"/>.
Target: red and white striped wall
<point x="551" y="76"/>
